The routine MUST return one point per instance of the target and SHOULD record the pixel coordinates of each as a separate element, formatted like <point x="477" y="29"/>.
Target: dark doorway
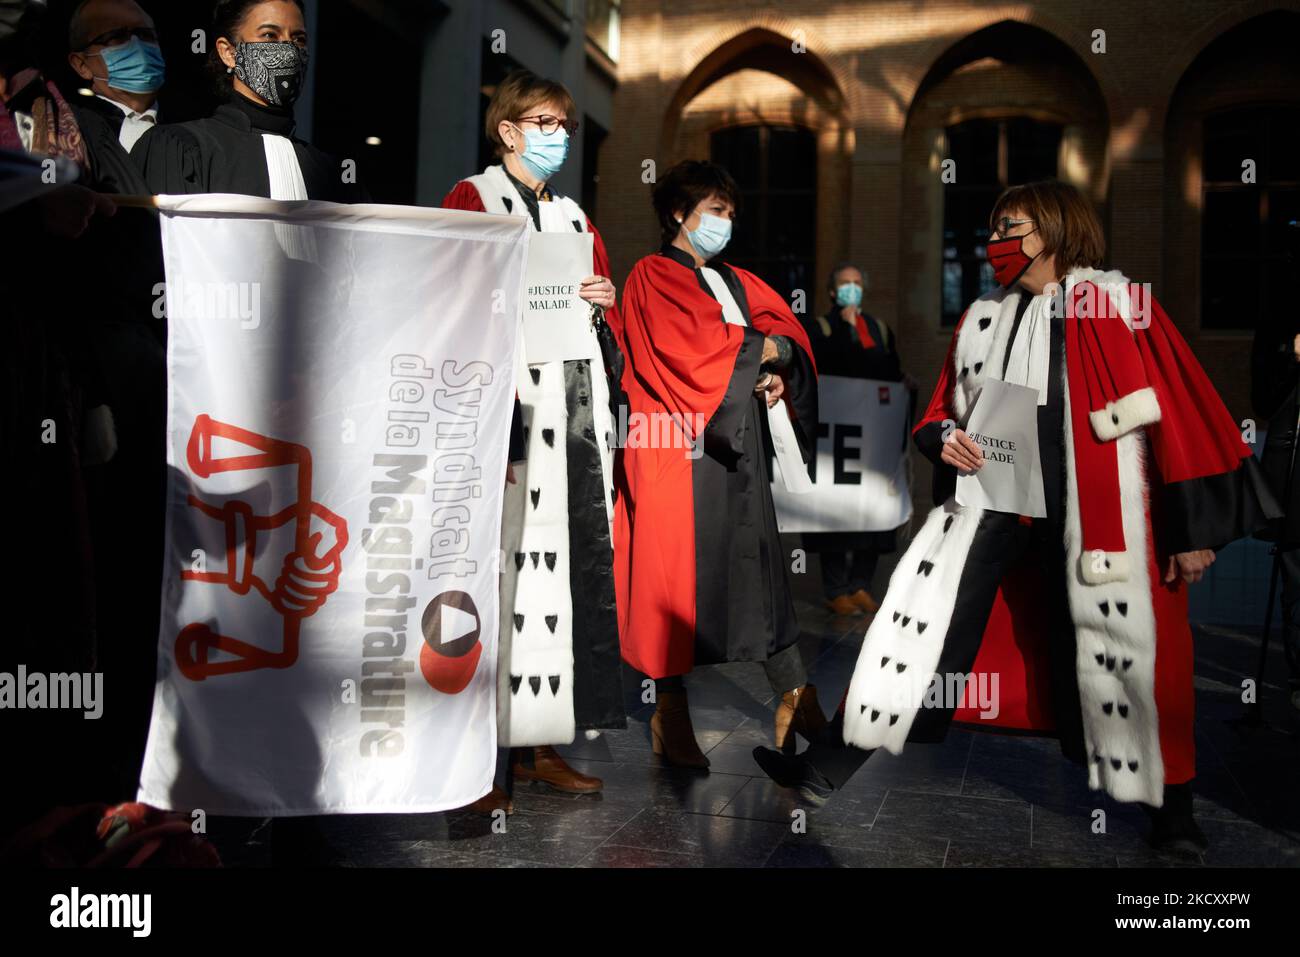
<point x="368" y="90"/>
<point x="775" y="234"/>
<point x="991" y="154"/>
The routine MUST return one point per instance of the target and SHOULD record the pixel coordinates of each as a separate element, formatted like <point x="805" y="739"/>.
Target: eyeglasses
<point x="549" y="124"/>
<point x="1001" y="226"/>
<point x="122" y="35"/>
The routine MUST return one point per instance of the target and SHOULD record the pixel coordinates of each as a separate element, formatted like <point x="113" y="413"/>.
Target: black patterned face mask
<point x="274" y="71"/>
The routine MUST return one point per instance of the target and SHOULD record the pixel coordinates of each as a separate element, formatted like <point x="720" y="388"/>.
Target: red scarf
<point x="864" y="335"/>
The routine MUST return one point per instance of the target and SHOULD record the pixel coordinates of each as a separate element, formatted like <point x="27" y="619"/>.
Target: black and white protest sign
<point x="860" y="475"/>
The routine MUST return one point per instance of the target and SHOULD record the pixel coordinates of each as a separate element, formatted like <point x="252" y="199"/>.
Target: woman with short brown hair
<point x="1079" y="616"/>
<point x="559" y="663"/>
<point x="699" y="565"/>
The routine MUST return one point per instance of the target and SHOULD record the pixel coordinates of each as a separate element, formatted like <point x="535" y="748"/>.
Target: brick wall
<point x="879" y="81"/>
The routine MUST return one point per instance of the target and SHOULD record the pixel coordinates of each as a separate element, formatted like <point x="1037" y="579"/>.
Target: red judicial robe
<point x="1154" y="466"/>
<point x="700" y="574"/>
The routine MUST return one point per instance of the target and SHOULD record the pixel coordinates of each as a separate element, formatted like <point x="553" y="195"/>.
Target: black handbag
<point x="614" y="365"/>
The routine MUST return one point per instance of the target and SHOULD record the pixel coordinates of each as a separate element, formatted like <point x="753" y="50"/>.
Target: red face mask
<point x="1008" y="259"/>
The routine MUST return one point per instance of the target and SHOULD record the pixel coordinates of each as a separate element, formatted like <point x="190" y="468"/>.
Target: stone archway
<point x="758" y="75"/>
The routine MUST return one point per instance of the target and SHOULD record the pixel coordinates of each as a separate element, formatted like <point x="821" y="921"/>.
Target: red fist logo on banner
<point x="308" y="574"/>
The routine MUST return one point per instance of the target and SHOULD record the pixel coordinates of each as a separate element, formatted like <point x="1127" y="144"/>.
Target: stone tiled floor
<point x="977" y="800"/>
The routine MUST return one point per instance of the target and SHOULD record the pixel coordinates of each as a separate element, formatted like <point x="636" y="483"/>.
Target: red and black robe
<point x="698" y="564"/>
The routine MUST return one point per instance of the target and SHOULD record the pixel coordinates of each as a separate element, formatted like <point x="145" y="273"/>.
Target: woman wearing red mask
<point x="1073" y="624"/>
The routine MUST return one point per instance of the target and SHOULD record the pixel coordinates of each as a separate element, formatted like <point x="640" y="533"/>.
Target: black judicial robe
<point x="111" y="168"/>
<point x="698" y="563"/>
<point x="123" y="349"/>
<point x="224" y="153"/>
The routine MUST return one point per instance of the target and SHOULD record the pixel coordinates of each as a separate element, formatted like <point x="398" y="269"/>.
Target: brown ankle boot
<point x="671" y="733"/>
<point x="551" y="769"/>
<point x="798" y="711"/>
<point x="494" y="800"/>
<point x="866" y="601"/>
<point x="843" y="606"/>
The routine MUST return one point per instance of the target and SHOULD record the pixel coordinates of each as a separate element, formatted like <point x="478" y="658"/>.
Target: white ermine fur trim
<point x="535" y="687"/>
<point x="903" y="642"/>
<point x="1125" y="414"/>
<point x="1114" y="625"/>
<point x="902" y="645"/>
<point x="535" y="655"/>
<point x="1098" y="567"/>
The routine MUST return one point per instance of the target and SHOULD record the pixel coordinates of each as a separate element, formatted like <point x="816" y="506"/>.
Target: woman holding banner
<point x="559" y="659"/>
<point x="1073" y="623"/>
<point x="700" y="570"/>
<point x="259" y="54"/>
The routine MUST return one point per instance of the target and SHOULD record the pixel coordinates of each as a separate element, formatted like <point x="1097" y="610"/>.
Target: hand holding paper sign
<point x="773" y="385"/>
<point x="961" y="452"/>
<point x="598" y="291"/>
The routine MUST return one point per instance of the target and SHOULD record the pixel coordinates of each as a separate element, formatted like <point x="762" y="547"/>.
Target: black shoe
<point x="1173" y="827"/>
<point x="795" y="772"/>
<point x="1178" y="835"/>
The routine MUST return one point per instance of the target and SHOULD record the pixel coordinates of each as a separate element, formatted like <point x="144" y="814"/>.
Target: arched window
<point x="775" y="235"/>
<point x="1244" y="226"/>
<point x="990" y="155"/>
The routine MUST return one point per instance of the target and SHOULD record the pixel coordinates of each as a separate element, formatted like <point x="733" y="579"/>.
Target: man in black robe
<point x="850" y="343"/>
<point x="122" y="340"/>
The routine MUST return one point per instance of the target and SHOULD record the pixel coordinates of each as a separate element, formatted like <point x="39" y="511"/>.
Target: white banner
<point x="340" y="385"/>
<point x="862" y="471"/>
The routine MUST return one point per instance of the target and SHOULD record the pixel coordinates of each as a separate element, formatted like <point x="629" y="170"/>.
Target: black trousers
<point x="845" y="572"/>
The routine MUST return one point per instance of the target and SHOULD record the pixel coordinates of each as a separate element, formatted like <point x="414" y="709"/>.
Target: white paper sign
<point x="557" y="322"/>
<point x="1004" y="423"/>
<point x="789" y="463"/>
<point x="861" y="475"/>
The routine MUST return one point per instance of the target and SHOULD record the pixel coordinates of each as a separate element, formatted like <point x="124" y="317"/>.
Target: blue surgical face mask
<point x="848" y="294"/>
<point x="711" y="236"/>
<point x="134" y="66"/>
<point x="543" y="154"/>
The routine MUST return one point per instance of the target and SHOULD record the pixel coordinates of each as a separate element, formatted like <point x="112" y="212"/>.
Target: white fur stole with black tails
<point x="535" y="654"/>
<point x="1111" y="606"/>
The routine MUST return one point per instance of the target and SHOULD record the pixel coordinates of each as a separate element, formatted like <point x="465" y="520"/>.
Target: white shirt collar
<point x="151" y="113"/>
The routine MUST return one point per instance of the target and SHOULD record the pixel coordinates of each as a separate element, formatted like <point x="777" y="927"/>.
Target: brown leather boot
<point x="844" y="607"/>
<point x="494" y="800"/>
<point x="671" y="733"/>
<point x="864" y="600"/>
<point x="798" y="711"/>
<point x="550" y="769"/>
